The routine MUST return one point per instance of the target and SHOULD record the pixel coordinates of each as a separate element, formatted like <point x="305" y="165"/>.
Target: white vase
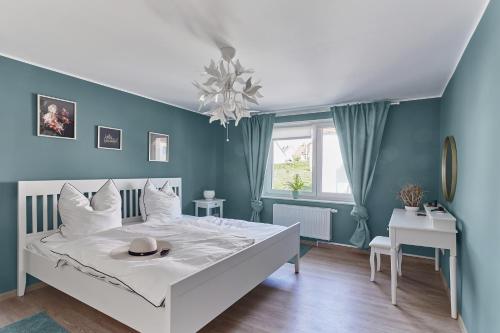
<point x="209" y="194"/>
<point x="411" y="209"/>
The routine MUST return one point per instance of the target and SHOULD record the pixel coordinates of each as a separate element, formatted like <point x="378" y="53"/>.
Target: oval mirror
<point x="449" y="168"/>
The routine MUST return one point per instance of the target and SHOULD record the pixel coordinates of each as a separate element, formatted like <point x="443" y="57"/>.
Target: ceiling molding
<point x="464" y="48"/>
<point x="326" y="108"/>
<point x="94" y="82"/>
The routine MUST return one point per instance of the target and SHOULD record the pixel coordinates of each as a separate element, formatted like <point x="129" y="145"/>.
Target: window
<point x="311" y="150"/>
<point x="292" y="154"/>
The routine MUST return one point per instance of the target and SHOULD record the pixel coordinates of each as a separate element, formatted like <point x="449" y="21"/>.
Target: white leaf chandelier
<point x="227" y="93"/>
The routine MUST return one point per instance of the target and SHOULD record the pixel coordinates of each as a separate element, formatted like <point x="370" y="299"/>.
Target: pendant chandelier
<point x="227" y="92"/>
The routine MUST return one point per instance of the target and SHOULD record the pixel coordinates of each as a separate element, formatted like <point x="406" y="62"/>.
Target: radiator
<point x="315" y="222"/>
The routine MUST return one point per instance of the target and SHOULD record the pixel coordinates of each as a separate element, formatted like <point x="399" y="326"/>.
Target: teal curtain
<point x="360" y="128"/>
<point x="257" y="133"/>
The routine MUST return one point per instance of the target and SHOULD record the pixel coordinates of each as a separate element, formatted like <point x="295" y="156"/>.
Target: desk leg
<point x="453" y="286"/>
<point x="436" y="259"/>
<point x="209" y="211"/>
<point x="221" y="211"/>
<point x="196" y="209"/>
<point x="394" y="275"/>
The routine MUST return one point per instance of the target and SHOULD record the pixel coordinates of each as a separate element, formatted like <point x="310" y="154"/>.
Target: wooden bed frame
<point x="191" y="302"/>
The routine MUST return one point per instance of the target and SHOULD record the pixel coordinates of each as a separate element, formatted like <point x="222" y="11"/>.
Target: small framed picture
<point x="56" y="117"/>
<point x="109" y="138"/>
<point x="158" y="147"/>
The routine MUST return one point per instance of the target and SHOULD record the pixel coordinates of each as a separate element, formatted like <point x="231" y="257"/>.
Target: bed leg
<point x="21" y="283"/>
<point x="296" y="260"/>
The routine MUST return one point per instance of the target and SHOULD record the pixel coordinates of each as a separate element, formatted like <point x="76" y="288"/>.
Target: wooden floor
<point x="331" y="294"/>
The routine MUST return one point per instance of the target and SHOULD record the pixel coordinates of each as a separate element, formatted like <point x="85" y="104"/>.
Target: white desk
<point x="408" y="228"/>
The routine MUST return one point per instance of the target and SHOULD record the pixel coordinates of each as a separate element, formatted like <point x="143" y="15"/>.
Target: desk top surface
<point x="410" y="220"/>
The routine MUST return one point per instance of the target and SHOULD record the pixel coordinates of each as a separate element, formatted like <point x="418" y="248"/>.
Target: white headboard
<point x="37" y="201"/>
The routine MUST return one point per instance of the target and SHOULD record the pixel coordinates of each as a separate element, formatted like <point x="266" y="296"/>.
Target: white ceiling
<point x="307" y="53"/>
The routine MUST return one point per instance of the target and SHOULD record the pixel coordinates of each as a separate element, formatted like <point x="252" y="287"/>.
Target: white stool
<point x="382" y="245"/>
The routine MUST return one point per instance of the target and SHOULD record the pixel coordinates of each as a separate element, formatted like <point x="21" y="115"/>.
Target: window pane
<point x="291" y="157"/>
<point x="334" y="178"/>
<point x="289" y="132"/>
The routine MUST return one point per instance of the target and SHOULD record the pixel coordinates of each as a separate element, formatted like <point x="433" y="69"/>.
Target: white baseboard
<point x="461" y="323"/>
<point x="337" y="244"/>
<point x="418" y="256"/>
<point x="325" y="244"/>
<point x="13" y="293"/>
<point x="329" y="244"/>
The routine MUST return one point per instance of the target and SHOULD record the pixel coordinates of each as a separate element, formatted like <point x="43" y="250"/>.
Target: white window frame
<point x="316" y="193"/>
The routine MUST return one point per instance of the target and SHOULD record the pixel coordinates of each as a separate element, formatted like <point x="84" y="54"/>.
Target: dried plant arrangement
<point x="411" y="195"/>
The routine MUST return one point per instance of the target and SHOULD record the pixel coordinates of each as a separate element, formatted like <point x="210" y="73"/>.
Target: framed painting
<point x="56" y="117"/>
<point x="109" y="138"/>
<point x="158" y="147"/>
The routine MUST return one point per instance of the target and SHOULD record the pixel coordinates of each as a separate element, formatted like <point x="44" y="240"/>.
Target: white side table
<point x="209" y="204"/>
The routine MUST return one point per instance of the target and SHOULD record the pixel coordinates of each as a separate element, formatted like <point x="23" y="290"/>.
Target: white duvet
<point x="195" y="244"/>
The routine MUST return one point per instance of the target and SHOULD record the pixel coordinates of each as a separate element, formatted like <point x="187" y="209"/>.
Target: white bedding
<point x="196" y="242"/>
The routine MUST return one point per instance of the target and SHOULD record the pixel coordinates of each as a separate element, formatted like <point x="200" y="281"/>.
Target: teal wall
<point x="410" y="154"/>
<point x="24" y="156"/>
<point x="470" y="112"/>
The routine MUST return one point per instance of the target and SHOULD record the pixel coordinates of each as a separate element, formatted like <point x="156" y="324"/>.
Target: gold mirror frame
<point x="449" y="146"/>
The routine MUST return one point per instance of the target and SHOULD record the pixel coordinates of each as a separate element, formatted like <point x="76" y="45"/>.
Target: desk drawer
<point x="441" y="240"/>
<point x="214" y="204"/>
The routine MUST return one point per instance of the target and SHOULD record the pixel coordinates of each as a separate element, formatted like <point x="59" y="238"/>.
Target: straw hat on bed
<point x="143" y="248"/>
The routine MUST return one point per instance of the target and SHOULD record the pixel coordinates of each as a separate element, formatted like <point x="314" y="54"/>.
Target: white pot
<point x="411" y="209"/>
<point x="209" y="194"/>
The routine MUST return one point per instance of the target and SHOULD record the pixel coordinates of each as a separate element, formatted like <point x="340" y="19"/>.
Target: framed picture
<point x="109" y="138"/>
<point x="56" y="117"/>
<point x="158" y="147"/>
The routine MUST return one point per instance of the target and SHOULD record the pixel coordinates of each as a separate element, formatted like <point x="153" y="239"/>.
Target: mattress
<point x="196" y="243"/>
<point x="42" y="245"/>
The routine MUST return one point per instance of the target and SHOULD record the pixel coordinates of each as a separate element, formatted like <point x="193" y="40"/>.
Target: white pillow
<point x="81" y="216"/>
<point x="163" y="202"/>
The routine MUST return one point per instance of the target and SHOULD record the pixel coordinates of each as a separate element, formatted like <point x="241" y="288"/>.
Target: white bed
<point x="190" y="302"/>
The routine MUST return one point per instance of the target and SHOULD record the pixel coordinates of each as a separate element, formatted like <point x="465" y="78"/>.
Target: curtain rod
<point x="310" y="109"/>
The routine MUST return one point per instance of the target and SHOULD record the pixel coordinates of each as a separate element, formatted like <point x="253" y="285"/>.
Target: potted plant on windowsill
<point x="411" y="196"/>
<point x="296" y="185"/>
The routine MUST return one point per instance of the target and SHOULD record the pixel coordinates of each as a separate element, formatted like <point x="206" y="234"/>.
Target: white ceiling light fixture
<point x="227" y="93"/>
